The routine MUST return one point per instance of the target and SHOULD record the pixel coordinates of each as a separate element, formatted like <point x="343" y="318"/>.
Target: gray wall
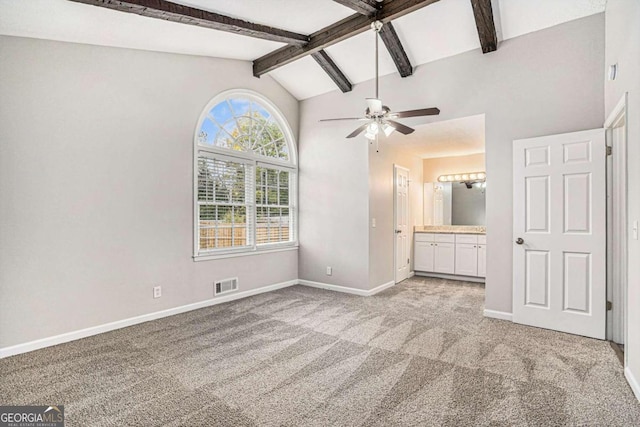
<point x="623" y="47"/>
<point x="333" y="195"/>
<point x="381" y="189"/>
<point x="337" y="193"/>
<point x="542" y="83"/>
<point x="96" y="184"/>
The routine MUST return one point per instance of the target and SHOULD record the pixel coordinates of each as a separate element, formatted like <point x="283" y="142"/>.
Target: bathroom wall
<point x="433" y="168"/>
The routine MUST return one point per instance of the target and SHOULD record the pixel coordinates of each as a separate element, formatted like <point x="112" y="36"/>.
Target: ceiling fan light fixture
<point x="372" y="131"/>
<point x="387" y="129"/>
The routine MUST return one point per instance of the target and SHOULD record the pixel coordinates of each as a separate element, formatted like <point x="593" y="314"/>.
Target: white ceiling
<point x="458" y="137"/>
<point x="300" y="16"/>
<point x="440" y="30"/>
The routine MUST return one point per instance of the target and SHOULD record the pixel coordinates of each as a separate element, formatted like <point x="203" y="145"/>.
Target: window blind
<point x="226" y="204"/>
<point x="275" y="212"/>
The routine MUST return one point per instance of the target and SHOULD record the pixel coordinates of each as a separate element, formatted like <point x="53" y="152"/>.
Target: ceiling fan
<point x="379" y="117"/>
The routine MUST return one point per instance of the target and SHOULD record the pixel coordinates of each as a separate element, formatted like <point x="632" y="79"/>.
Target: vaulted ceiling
<point x="432" y="30"/>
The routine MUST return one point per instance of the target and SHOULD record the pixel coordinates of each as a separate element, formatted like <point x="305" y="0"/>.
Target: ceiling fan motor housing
<point x="382" y="113"/>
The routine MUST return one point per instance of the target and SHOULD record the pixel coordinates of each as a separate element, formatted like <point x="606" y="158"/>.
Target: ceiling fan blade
<point x="417" y="113"/>
<point x="358" y="131"/>
<point x="374" y="104"/>
<point x="343" y="118"/>
<point x="405" y="130"/>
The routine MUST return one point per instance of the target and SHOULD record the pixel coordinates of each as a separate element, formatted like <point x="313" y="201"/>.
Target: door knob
<point x="519" y="240"/>
<point x="398" y="231"/>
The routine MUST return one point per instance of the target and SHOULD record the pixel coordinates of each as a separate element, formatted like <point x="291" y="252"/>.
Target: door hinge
<point x="609" y="305"/>
<point x="408" y="261"/>
<point x="609" y="150"/>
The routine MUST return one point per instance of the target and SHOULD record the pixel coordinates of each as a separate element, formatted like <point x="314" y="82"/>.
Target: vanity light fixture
<point x="463" y="177"/>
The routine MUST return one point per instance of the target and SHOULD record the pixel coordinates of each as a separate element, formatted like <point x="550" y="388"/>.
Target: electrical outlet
<point x="373" y="222"/>
<point x="157" y="291"/>
<point x="329" y="271"/>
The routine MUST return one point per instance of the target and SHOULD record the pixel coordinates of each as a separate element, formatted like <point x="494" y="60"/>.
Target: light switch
<point x="373" y="222"/>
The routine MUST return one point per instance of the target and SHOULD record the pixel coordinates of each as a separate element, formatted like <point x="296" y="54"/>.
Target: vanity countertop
<point x="454" y="229"/>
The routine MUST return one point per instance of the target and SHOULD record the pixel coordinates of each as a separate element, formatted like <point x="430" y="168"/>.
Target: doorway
<point x="401" y="222"/>
<point x="453" y="148"/>
<point x="616" y="128"/>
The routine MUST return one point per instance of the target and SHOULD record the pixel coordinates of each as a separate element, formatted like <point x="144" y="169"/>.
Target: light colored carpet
<point x="418" y="354"/>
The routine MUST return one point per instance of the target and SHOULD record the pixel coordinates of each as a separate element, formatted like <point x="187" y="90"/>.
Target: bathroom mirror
<point x="454" y="203"/>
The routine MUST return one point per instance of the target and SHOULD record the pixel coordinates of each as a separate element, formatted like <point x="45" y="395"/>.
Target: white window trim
<point x="282" y="248"/>
<point x="256" y="161"/>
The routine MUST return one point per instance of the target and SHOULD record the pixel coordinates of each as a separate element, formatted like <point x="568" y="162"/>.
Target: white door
<point x="442" y="203"/>
<point x="438" y="205"/>
<point x="428" y="209"/>
<point x="559" y="226"/>
<point x="401" y="184"/>
<point x="466" y="259"/>
<point x="423" y="256"/>
<point x="444" y="258"/>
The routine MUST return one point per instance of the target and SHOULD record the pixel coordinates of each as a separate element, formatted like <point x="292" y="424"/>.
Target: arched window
<point x="245" y="176"/>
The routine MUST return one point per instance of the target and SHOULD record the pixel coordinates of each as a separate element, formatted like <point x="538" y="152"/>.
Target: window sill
<point x="208" y="257"/>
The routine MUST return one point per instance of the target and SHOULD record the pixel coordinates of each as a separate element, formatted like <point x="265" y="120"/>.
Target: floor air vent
<point x="227" y="285"/>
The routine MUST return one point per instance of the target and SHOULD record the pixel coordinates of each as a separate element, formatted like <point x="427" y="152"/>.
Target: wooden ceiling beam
<point x="335" y="33"/>
<point x="168" y="11"/>
<point x="363" y="7"/>
<point x="394" y="46"/>
<point x="483" y="13"/>
<point x="387" y="33"/>
<point x="332" y="70"/>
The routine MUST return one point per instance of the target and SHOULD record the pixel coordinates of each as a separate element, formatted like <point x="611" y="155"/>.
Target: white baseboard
<point x="633" y="382"/>
<point x="345" y="289"/>
<point x="452" y="277"/>
<point x="95" y="330"/>
<point x="336" y="288"/>
<point x="502" y="315"/>
<point x="411" y="274"/>
<point x="381" y="288"/>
